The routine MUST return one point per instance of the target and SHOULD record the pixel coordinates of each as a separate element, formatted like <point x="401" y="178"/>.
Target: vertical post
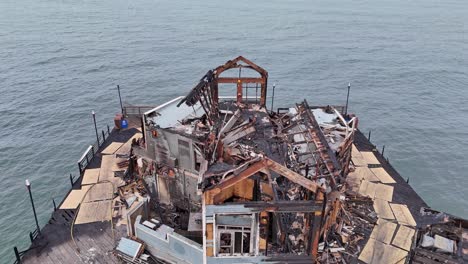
<point x="368" y="137"/>
<point x="108" y="130"/>
<point x="273" y="96"/>
<point x="28" y="186"/>
<point x="383" y="150"/>
<point x="79" y="167"/>
<point x="347" y="99"/>
<point x="120" y="99"/>
<point x="95" y="126"/>
<point x="103" y="136"/>
<point x="31" y="237"/>
<point x="71" y="179"/>
<point x="55" y="206"/>
<point x="18" y="258"/>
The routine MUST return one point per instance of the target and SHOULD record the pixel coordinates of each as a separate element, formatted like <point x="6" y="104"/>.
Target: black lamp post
<point x="95" y="126"/>
<point x="120" y="98"/>
<point x="347" y="99"/>
<point x="28" y="185"/>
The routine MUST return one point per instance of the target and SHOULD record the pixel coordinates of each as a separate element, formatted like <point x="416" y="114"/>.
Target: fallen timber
<point x="212" y="179"/>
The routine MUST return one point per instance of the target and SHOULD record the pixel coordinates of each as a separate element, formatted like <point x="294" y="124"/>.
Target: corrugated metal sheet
<point x="129" y="247"/>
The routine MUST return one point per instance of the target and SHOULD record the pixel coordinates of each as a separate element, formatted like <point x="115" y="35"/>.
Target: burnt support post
<point x="347" y="99"/>
<point x="120" y="99"/>
<point x="28" y="186"/>
<point x="95" y="126"/>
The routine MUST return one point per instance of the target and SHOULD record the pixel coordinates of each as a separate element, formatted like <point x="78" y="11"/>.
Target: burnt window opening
<point x="234" y="240"/>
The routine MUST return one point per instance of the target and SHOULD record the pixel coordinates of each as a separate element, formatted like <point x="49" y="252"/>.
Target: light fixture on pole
<point x="28" y="186"/>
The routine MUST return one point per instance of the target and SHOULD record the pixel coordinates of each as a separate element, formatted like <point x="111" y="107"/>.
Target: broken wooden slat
<point x="291" y="175"/>
<point x="403" y="214"/>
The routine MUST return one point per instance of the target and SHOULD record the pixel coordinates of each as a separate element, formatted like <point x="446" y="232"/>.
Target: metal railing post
<point x="18" y="257"/>
<point x="79" y="167"/>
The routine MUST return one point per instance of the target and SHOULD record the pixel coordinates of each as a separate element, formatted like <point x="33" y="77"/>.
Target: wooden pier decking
<point x="92" y="242"/>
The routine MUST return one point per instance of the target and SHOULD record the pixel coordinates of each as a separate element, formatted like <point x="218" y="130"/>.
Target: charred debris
<point x="230" y="181"/>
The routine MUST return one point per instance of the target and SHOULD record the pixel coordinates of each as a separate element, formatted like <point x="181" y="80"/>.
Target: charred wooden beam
<point x="285" y="206"/>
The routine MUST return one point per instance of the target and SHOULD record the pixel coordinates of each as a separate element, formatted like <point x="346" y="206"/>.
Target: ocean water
<point x="407" y="62"/>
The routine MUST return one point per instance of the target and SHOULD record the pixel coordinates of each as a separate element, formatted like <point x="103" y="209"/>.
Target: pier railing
<point x="83" y="162"/>
<point x="136" y="110"/>
<point x="91" y="151"/>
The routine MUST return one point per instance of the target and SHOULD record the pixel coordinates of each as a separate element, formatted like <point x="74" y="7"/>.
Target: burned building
<point x="218" y="177"/>
<point x="266" y="184"/>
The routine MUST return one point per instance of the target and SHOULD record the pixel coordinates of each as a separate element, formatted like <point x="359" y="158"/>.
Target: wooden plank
<point x="383" y="175"/>
<point x="370" y="190"/>
<point x="94" y="212"/>
<point x="98" y="192"/>
<point x="367" y="174"/>
<point x="377" y="252"/>
<point x="383" y="210"/>
<point x="125" y="148"/>
<point x="106" y="173"/>
<point x="404" y="237"/>
<point x="367" y="188"/>
<point x="90" y="176"/>
<point x="357" y="158"/>
<point x="112" y="148"/>
<point x="369" y="157"/>
<point x="403" y="214"/>
<point x="383" y="231"/>
<point x="74" y="198"/>
<point x="384" y="192"/>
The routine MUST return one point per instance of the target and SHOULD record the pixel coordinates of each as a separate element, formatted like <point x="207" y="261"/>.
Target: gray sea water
<point x="407" y="62"/>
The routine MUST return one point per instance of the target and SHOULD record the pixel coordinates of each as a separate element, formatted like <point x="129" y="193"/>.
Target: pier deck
<point x="92" y="242"/>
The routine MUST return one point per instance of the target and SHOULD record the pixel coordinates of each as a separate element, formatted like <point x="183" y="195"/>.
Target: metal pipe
<point x="95" y="126"/>
<point x="28" y="186"/>
<point x="347" y="99"/>
<point x="120" y="99"/>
